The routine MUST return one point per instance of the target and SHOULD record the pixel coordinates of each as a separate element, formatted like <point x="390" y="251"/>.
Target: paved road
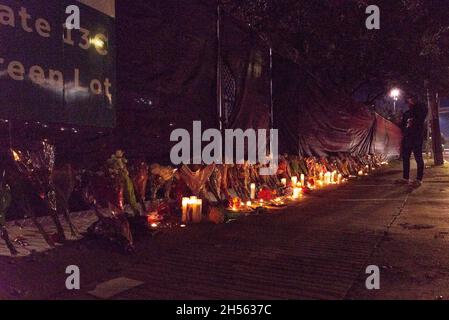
<point x="317" y="250"/>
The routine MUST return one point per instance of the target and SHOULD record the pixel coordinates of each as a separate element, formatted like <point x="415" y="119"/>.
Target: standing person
<point x="412" y="127"/>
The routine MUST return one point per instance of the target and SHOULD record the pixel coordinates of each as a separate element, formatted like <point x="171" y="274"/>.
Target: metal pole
<point x="429" y="126"/>
<point x="271" y="89"/>
<point x="219" y="88"/>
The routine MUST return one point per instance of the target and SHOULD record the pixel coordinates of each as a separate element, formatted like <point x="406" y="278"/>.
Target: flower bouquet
<point x="37" y="166"/>
<point x="162" y="177"/>
<point x="102" y="190"/>
<point x="140" y="180"/>
<point x="123" y="184"/>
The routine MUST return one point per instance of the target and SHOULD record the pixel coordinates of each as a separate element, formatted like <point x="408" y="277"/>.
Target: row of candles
<point x="192" y="206"/>
<point x="324" y="179"/>
<point x="363" y="173"/>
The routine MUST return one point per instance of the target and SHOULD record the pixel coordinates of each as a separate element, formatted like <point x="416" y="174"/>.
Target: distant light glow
<point x="395" y="93"/>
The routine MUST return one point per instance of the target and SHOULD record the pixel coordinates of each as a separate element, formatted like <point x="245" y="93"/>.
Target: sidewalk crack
<point x="378" y="244"/>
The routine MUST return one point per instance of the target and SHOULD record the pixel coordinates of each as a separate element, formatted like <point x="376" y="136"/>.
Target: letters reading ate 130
<point x="82" y="38"/>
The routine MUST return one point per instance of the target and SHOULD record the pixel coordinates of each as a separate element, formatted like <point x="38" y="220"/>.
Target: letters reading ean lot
<point x="54" y="78"/>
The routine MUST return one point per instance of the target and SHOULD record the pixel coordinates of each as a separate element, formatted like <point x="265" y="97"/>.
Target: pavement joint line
<point x="372" y="185"/>
<point x="378" y="243"/>
<point x="378" y="199"/>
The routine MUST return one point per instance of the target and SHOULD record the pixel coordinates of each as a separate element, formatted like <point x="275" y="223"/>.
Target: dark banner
<point x="245" y="76"/>
<point x="170" y="79"/>
<point x="49" y="74"/>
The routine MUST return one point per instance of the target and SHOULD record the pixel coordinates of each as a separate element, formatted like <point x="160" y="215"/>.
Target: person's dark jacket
<point x="413" y="122"/>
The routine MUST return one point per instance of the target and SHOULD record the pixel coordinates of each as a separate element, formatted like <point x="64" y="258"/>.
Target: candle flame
<point x="15" y="155"/>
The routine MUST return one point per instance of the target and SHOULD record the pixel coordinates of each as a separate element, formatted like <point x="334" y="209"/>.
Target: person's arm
<point x="422" y="114"/>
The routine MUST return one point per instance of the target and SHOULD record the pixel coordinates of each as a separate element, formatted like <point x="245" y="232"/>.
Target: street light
<point x="395" y="93"/>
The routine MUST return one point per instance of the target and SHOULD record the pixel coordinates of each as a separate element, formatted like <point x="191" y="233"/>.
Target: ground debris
<point x="22" y="241"/>
<point x="422" y="226"/>
<point x="18" y="292"/>
<point x="440" y="235"/>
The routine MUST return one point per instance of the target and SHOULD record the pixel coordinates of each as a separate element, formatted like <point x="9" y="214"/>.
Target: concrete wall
<point x="105" y="6"/>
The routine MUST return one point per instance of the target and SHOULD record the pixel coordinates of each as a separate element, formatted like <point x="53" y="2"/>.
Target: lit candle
<point x="303" y="179"/>
<point x="296" y="193"/>
<point x="253" y="191"/>
<point x="196" y="207"/>
<point x="200" y="210"/>
<point x="361" y="173"/>
<point x="191" y="208"/>
<point x="284" y="182"/>
<point x="15" y="155"/>
<point x="327" y="178"/>
<point x="185" y="204"/>
<point x="294" y="180"/>
<point x="248" y="203"/>
<point x="339" y="178"/>
<point x="235" y="203"/>
<point x="333" y="176"/>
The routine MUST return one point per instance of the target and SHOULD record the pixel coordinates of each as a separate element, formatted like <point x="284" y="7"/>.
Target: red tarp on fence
<point x="387" y="138"/>
<point x="315" y="119"/>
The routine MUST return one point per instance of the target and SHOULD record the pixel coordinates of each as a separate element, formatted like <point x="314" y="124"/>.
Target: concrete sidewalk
<point x="317" y="250"/>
